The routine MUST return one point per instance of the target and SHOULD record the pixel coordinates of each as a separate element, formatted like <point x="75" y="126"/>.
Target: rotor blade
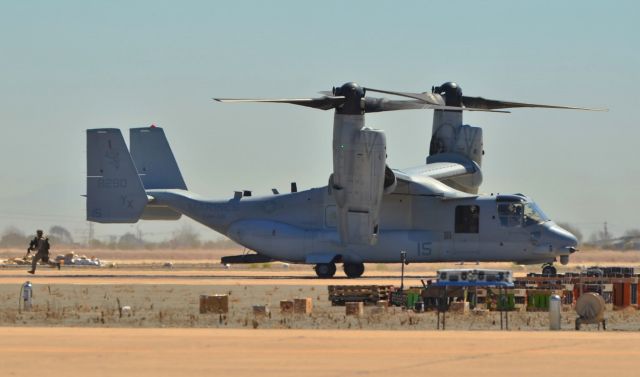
<point x="374" y="105"/>
<point x="323" y="103"/>
<point x="430" y="98"/>
<point x="483" y="103"/>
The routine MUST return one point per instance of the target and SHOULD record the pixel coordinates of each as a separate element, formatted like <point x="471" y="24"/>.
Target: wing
<point x="429" y="179"/>
<point x="440" y="170"/>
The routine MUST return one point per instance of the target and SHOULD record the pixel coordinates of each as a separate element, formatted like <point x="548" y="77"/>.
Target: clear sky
<point x="66" y="66"/>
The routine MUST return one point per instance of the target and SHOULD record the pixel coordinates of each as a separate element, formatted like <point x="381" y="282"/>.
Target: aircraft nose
<point x="562" y="238"/>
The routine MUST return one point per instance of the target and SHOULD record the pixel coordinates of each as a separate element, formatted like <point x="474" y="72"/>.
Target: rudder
<point x="114" y="191"/>
<point x="156" y="166"/>
<point x="154" y="160"/>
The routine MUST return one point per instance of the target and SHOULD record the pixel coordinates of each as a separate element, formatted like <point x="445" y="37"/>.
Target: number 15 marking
<point x="424" y="249"/>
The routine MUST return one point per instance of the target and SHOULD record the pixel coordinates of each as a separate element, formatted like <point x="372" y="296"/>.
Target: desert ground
<point x="76" y="325"/>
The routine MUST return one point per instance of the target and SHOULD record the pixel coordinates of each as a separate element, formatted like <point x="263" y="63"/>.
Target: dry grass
<point x="157" y="302"/>
<point x="606" y="257"/>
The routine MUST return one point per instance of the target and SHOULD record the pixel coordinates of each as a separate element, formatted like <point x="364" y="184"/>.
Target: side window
<point x="467" y="219"/>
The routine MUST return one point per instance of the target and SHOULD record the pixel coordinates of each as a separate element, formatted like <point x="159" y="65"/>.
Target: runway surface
<point x="196" y="277"/>
<point x="183" y="352"/>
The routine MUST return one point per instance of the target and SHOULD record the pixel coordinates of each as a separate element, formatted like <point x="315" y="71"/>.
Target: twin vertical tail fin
<point x="154" y="160"/>
<point x="117" y="179"/>
<point x="114" y="190"/>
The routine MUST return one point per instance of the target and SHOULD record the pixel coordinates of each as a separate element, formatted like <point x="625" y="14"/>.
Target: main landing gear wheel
<point x="549" y="270"/>
<point x="325" y="270"/>
<point x="353" y="270"/>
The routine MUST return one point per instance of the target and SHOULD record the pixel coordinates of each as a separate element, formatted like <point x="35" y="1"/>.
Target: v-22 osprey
<point x="367" y="213"/>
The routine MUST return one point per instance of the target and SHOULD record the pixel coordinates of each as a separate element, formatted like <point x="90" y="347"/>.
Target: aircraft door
<point x="466" y="239"/>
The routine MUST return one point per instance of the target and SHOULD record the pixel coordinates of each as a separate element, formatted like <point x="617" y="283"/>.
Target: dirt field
<point x="184" y="352"/>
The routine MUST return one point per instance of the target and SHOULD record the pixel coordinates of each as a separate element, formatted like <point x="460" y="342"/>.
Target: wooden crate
<point x="303" y="305"/>
<point x="260" y="310"/>
<point x="216" y="304"/>
<point x="286" y="306"/>
<point x="354" y="308"/>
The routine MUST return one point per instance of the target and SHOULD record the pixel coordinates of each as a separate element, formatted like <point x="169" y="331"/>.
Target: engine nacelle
<point x="449" y="138"/>
<point x="461" y="139"/>
<point x="358" y="180"/>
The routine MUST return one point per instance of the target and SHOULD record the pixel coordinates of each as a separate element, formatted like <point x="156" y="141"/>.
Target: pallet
<point x="367" y="294"/>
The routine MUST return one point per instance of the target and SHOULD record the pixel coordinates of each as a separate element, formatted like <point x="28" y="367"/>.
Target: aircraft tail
<point x="114" y="190"/>
<point x="157" y="168"/>
<point x="154" y="160"/>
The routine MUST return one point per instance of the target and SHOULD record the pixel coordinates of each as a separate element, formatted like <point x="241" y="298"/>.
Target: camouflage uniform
<point x="41" y="244"/>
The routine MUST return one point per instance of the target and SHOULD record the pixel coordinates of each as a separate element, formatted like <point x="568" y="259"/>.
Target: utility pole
<point x="91" y="233"/>
<point x="403" y="260"/>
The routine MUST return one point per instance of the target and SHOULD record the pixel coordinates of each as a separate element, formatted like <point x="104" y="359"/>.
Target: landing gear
<point x="549" y="270"/>
<point x="325" y="270"/>
<point x="353" y="270"/>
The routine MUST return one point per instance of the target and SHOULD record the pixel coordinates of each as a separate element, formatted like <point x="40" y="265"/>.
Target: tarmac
<point x="17" y="275"/>
<point x="232" y="352"/>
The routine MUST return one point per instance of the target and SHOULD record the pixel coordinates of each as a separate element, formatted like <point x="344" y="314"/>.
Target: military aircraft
<point x="368" y="212"/>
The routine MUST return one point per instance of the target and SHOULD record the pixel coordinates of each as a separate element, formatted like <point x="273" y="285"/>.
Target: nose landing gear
<point x="549" y="270"/>
<point x="325" y="270"/>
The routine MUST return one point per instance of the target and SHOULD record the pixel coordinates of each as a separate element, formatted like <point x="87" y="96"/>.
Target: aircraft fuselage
<point x="301" y="227"/>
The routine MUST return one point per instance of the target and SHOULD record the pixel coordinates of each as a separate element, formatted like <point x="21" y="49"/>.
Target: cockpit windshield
<point x="533" y="214"/>
<point x="516" y="211"/>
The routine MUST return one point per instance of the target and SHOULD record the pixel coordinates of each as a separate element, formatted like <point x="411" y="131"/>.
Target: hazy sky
<point x="66" y="66"/>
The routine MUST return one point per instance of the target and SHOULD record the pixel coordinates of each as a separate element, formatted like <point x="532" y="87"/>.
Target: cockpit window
<point x="520" y="214"/>
<point x="533" y="214"/>
<point x="510" y="214"/>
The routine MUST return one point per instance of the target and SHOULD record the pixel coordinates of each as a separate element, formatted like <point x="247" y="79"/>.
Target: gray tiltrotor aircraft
<point x="367" y="213"/>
